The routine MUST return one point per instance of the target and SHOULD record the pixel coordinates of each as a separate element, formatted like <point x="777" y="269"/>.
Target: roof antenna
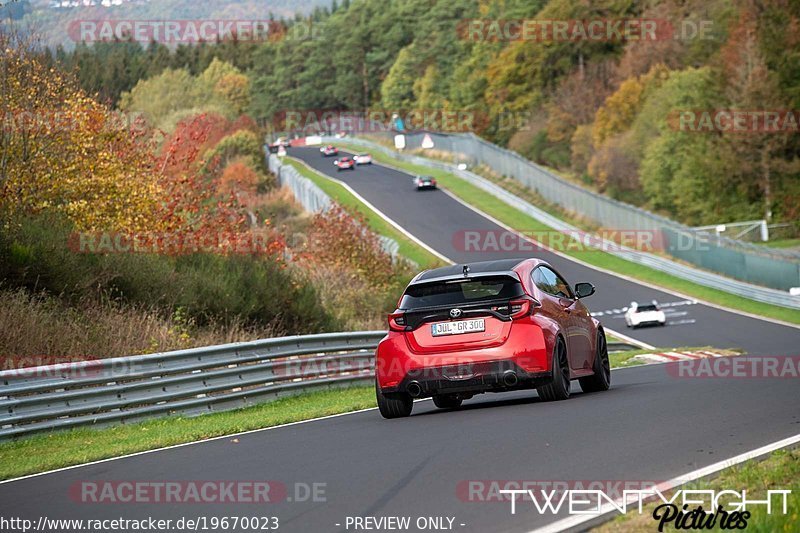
<point x="465" y="270"/>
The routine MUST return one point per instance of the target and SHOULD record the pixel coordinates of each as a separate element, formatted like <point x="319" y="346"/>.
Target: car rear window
<point x="460" y="292"/>
<point x="643" y="308"/>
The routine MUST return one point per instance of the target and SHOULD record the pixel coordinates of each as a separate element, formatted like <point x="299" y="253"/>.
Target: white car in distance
<point x="362" y="159"/>
<point x="640" y="314"/>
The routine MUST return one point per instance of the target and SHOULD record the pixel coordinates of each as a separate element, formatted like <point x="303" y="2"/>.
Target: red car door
<point x="560" y="305"/>
<point x="580" y="341"/>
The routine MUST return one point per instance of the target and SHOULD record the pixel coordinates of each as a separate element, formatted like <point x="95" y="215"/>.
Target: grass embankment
<point x="782" y="243"/>
<point x="97" y="329"/>
<point x="408" y="248"/>
<point x="58" y="304"/>
<point x="779" y="471"/>
<point x="514" y="218"/>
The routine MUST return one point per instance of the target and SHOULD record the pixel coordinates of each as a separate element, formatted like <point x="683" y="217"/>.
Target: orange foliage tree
<point x="239" y="179"/>
<point x="340" y="240"/>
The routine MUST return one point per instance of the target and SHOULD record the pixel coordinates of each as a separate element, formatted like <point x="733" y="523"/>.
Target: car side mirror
<point x="582" y="290"/>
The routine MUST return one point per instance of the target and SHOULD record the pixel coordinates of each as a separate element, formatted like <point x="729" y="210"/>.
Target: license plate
<point x="458" y="328"/>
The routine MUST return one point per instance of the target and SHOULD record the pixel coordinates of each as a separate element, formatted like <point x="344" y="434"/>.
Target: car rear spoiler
<point x="461" y="277"/>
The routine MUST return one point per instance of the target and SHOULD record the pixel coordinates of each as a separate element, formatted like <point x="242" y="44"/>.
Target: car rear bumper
<point x="523" y="360"/>
<point x="467" y="379"/>
<point x="648" y="323"/>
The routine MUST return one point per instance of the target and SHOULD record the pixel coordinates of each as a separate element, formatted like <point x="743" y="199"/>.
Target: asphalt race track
<point x="651" y="426"/>
<point x="436" y="219"/>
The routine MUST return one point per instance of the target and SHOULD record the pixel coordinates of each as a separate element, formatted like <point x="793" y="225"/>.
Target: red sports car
<point x="493" y="326"/>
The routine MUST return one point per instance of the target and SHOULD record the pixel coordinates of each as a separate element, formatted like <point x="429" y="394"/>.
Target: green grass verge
<point x="781" y="243"/>
<point x="518" y="220"/>
<point x="626" y="358"/>
<point x="780" y="471"/>
<point x="408" y="248"/>
<point x="40" y="453"/>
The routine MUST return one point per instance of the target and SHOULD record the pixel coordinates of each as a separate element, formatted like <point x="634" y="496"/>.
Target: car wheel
<point x="558" y="388"/>
<point x="601" y="379"/>
<point x="393" y="407"/>
<point x="447" y="401"/>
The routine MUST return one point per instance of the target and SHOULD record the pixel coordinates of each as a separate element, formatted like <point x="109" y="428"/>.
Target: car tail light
<point x="522" y="308"/>
<point x="397" y="322"/>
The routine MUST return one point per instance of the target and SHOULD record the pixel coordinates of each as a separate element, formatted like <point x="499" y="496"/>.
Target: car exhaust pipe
<point x="414" y="389"/>
<point x="510" y="378"/>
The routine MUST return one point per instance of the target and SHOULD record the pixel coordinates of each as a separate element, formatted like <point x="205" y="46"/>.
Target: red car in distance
<point x="329" y="150"/>
<point x="492" y="326"/>
<point x="345" y="163"/>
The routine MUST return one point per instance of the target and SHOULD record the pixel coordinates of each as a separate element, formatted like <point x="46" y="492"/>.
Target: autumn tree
<point x="338" y="239"/>
<point x="239" y="179"/>
<point x="764" y="158"/>
<point x="62" y="150"/>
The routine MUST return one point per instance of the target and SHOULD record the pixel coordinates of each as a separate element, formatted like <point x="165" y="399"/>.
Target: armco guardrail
<point x="664" y="264"/>
<point x="312" y="198"/>
<point x="187" y="382"/>
<point x="751" y="263"/>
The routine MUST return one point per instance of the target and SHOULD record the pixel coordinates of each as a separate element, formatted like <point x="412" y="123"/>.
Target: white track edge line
<point x="631" y="340"/>
<point x="579" y="522"/>
<point x="377" y="211"/>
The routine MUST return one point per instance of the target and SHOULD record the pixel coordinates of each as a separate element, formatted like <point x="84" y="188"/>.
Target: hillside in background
<point x="599" y="111"/>
<point x="53" y="22"/>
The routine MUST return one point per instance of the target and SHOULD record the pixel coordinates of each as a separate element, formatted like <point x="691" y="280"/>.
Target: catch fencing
<point x="703" y="277"/>
<point x="769" y="267"/>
